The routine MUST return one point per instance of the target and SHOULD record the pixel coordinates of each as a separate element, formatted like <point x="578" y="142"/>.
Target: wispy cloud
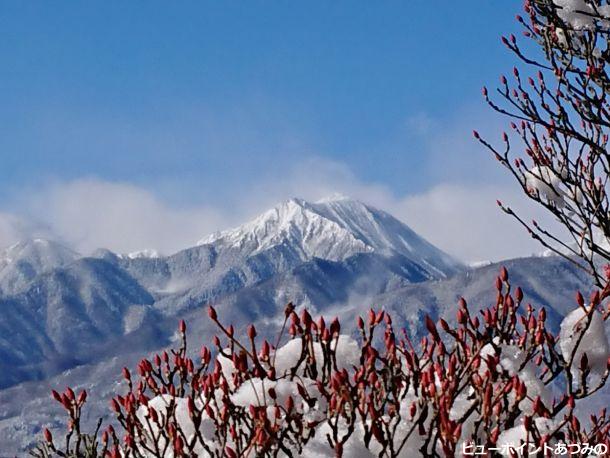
<point x="14" y="228"/>
<point x="91" y="213"/>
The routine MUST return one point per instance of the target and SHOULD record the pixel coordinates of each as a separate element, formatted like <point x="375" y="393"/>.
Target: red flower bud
<point x="595" y="298"/>
<point x="498" y="284"/>
<point x="461" y="316"/>
<point x="190" y="405"/>
<point x="542" y="315"/>
<point x="504" y="274"/>
<point x="335" y="326"/>
<point x="432" y="328"/>
<point x="115" y="405"/>
<point x="584" y="362"/>
<point x="306" y="319"/>
<point x="519" y="294"/>
<point x="321" y="325"/>
<point x="178" y="444"/>
<point x="66" y="402"/>
<point x="251" y="332"/>
<point x="580" y="299"/>
<point x="289" y="404"/>
<point x="56" y="396"/>
<point x="372" y="317"/>
<point x="360" y="322"/>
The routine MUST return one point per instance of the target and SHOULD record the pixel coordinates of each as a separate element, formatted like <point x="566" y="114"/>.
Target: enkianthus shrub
<point x="495" y="378"/>
<point x="556" y="144"/>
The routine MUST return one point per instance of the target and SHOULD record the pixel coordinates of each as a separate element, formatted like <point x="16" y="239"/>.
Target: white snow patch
<point x="594" y="342"/>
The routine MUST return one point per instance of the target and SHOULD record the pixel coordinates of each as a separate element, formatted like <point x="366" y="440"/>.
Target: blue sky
<point x="203" y="103"/>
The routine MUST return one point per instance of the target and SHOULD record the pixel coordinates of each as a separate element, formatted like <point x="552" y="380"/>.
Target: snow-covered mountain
<point x="67" y="319"/>
<point x="294" y="233"/>
<point x="59" y="304"/>
<point x="334" y="229"/>
<point x="23" y="261"/>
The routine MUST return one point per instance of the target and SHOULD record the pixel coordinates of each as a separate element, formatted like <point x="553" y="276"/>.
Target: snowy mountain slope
<point x="549" y="282"/>
<point x="23" y="261"/>
<point x="334" y="229"/>
<point x="296" y="223"/>
<point x="386" y="235"/>
<point x="65" y="316"/>
<point x="343" y="289"/>
<point x="293" y="233"/>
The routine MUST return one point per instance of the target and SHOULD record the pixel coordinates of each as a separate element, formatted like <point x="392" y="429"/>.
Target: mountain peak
<point x="297" y="223"/>
<point x="335" y="229"/>
<point x="147" y="253"/>
<point x="24" y="260"/>
<point x="38" y="247"/>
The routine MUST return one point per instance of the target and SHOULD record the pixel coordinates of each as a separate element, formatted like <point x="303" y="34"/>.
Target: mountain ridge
<point x="334" y="228"/>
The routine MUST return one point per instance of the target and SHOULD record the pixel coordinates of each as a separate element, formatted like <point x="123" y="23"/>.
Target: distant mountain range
<point x="69" y="319"/>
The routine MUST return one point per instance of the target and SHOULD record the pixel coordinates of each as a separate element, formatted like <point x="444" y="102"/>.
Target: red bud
<point x="504" y="274"/>
<point x="580" y="299"/>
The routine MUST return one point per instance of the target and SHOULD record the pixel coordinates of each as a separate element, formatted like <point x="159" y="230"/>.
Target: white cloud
<point x="12" y="229"/>
<point x="466" y="221"/>
<point x="86" y="214"/>
<point x="91" y="213"/>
